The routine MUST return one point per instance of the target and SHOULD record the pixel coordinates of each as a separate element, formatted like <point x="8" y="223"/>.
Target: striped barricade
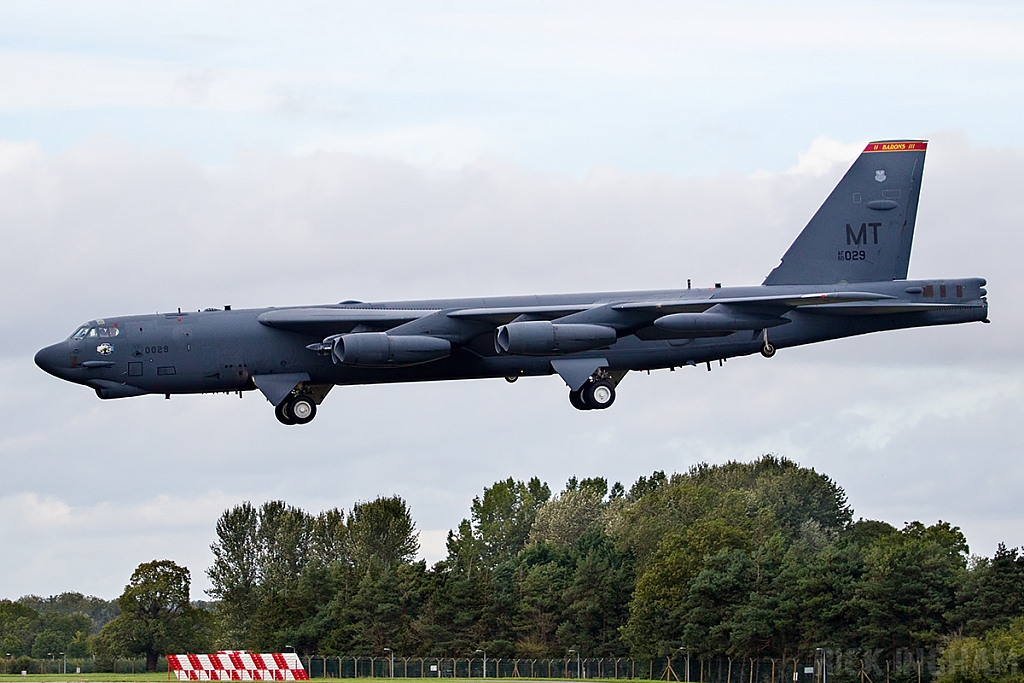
<point x="237" y="666"/>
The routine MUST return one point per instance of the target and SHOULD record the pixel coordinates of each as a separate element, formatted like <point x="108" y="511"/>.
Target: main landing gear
<point x="296" y="410"/>
<point x="597" y="394"/>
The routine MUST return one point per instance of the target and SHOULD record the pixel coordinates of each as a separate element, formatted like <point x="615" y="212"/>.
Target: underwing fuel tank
<point x="543" y="338"/>
<point x="379" y="349"/>
<point x="717" y="322"/>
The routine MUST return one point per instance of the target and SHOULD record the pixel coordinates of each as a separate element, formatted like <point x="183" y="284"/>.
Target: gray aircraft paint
<point x="843" y="276"/>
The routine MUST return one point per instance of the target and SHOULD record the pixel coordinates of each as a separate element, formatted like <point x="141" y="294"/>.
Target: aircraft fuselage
<point x="222" y="350"/>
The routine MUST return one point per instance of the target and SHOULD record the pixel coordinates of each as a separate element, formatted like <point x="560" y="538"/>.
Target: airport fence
<point x="849" y="666"/>
<point x="840" y="666"/>
<point x="85" y="665"/>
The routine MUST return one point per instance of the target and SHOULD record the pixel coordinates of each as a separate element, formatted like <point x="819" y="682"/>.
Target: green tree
<point x="379" y="613"/>
<point x="235" y="573"/>
<point x="455" y="614"/>
<point x="813" y="596"/>
<point x="57" y="632"/>
<point x="909" y="586"/>
<point x="98" y="610"/>
<point x="597" y="596"/>
<point x="503" y="517"/>
<point x="156" y="615"/>
<point x="284" y="536"/>
<point x="661" y="603"/>
<point x="995" y="657"/>
<point x="992" y="593"/>
<point x="382" y="530"/>
<point x="18" y="627"/>
<point x="541" y="578"/>
<point x="578" y="509"/>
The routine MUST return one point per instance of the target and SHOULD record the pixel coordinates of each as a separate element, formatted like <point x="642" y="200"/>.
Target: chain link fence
<point x="831" y="666"/>
<point x="837" y="666"/>
<point x="85" y="665"/>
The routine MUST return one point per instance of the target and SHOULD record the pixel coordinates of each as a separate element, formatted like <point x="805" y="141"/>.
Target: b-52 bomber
<point x="844" y="275"/>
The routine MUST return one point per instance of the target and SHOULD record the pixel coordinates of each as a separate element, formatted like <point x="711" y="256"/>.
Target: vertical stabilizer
<point x="864" y="230"/>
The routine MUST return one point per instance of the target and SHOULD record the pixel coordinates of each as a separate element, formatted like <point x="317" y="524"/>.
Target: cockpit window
<point x="86" y="331"/>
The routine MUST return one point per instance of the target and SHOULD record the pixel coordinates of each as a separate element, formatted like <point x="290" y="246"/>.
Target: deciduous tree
<point x="156" y="616"/>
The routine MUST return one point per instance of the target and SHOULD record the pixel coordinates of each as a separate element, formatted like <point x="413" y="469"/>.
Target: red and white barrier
<point x="237" y="666"/>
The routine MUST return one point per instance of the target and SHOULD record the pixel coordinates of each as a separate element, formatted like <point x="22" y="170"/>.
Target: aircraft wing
<point x="881" y="308"/>
<point x="656" y="308"/>
<point x="773" y="301"/>
<point x="327" y="320"/>
<point x="501" y="316"/>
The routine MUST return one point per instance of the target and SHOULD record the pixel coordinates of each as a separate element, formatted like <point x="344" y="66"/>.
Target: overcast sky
<point x="253" y="154"/>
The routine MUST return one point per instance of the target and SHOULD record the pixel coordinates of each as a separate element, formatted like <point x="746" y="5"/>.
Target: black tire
<point x="767" y="350"/>
<point x="282" y="414"/>
<point x="576" y="399"/>
<point x="511" y="378"/>
<point x="599" y="394"/>
<point x="302" y="409"/>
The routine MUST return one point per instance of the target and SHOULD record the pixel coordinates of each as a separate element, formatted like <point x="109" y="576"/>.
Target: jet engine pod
<point x="377" y="349"/>
<point x="543" y="338"/>
<point x="717" y="322"/>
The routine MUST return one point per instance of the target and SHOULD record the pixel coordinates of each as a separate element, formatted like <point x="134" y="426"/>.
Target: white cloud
<point x="51" y="545"/>
<point x="823" y="154"/>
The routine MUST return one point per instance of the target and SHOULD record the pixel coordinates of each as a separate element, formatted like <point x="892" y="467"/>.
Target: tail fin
<point x="864" y="230"/>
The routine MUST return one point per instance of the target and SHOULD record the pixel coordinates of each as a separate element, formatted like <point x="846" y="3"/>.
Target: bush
<point x="24" y="663"/>
<point x="996" y="657"/>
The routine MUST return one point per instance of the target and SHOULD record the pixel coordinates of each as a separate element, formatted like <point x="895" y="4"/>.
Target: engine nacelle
<point x="717" y="322"/>
<point x="543" y="338"/>
<point x="378" y="349"/>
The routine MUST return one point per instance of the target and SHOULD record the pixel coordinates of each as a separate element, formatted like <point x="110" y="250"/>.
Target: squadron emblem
<point x="880" y="175"/>
<point x="105" y="349"/>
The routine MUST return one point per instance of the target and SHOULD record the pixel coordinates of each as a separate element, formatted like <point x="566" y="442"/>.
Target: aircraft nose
<point x="50" y="358"/>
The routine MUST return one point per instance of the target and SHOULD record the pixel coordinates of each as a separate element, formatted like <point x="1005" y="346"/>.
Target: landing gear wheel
<point x="302" y="409"/>
<point x="511" y="378"/>
<point x="576" y="399"/>
<point x="598" y="394"/>
<point x="767" y="350"/>
<point x="282" y="413"/>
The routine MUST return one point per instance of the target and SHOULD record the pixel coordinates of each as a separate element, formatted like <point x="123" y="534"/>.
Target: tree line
<point x="747" y="560"/>
<point x="755" y="559"/>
